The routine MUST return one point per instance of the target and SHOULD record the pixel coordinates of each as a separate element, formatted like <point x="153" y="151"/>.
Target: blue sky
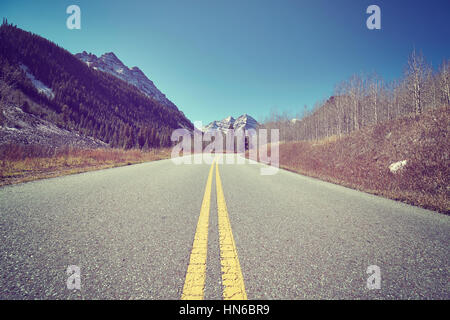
<point x="215" y="58"/>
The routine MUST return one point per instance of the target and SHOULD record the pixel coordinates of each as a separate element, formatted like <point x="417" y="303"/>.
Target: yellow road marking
<point x="194" y="285"/>
<point x="232" y="279"/>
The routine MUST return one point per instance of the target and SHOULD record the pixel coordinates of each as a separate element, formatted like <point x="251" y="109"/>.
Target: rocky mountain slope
<point x="22" y="128"/>
<point x="109" y="63"/>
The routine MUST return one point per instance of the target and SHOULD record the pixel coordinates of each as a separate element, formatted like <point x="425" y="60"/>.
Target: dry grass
<point x="26" y="163"/>
<point x="361" y="159"/>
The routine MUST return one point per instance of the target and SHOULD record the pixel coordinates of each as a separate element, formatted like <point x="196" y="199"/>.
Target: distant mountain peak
<point x="110" y="63"/>
<point x="111" y="58"/>
<point x="243" y="122"/>
<point x="136" y="69"/>
<point x="110" y="54"/>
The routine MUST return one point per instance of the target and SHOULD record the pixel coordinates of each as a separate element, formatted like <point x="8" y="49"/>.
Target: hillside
<point x="46" y="81"/>
<point x="23" y="128"/>
<point x="361" y="160"/>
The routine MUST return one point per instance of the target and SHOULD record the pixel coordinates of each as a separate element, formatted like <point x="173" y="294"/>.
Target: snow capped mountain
<point x="109" y="63"/>
<point x="223" y="125"/>
<point x="244" y="122"/>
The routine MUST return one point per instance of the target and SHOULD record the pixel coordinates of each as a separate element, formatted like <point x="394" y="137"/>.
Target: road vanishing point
<point x="161" y="230"/>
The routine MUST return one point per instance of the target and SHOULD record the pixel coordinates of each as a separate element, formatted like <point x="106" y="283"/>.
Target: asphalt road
<point x="130" y="230"/>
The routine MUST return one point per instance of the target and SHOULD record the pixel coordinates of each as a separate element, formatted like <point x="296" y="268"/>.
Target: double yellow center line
<point x="232" y="279"/>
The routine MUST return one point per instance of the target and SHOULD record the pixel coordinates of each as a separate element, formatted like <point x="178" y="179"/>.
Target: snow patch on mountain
<point x="40" y="87"/>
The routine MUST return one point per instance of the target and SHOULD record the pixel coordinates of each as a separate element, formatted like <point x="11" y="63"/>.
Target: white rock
<point x="394" y="167"/>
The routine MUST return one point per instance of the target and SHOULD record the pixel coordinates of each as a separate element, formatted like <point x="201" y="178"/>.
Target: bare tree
<point x="374" y="91"/>
<point x="444" y="81"/>
<point x="354" y="90"/>
<point x="416" y="75"/>
<point x="339" y="104"/>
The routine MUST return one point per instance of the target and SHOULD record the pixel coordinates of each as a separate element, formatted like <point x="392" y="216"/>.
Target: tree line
<point x="366" y="99"/>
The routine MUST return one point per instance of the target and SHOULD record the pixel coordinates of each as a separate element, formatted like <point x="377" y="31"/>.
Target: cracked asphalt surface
<point x="130" y="230"/>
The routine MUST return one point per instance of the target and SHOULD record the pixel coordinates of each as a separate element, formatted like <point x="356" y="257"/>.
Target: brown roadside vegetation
<point x="20" y="163"/>
<point x="368" y="124"/>
<point x="361" y="159"/>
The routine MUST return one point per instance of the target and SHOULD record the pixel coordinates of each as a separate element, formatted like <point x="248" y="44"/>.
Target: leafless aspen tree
<point x="416" y="76"/>
<point x="375" y="86"/>
<point x="444" y="81"/>
<point x="354" y="90"/>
